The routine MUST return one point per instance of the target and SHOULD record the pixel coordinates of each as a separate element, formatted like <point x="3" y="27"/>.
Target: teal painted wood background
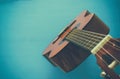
<point x="28" y="26"/>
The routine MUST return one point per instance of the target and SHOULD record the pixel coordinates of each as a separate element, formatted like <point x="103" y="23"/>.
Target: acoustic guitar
<point x="84" y="36"/>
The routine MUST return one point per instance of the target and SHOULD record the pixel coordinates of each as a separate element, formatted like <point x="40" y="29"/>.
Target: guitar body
<point x="110" y="51"/>
<point x="67" y="55"/>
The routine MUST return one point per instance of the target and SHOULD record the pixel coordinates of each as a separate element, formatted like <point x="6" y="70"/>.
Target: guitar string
<point x="85" y="38"/>
<point x="85" y="33"/>
<point x="110" y="54"/>
<point x="101" y="48"/>
<point x="104" y="62"/>
<point x="82" y="33"/>
<point x="90" y="37"/>
<point x="76" y="31"/>
<point x="93" y="38"/>
<point x="82" y="41"/>
<point x="76" y="40"/>
<point x="114" y="44"/>
<point x="99" y="40"/>
<point x="88" y="47"/>
<point x="101" y="57"/>
<point x="89" y="32"/>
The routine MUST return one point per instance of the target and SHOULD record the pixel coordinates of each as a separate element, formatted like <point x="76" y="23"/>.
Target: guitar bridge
<point x="101" y="44"/>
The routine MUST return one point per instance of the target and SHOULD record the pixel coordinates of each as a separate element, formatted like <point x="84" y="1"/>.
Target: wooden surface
<point x="67" y="55"/>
